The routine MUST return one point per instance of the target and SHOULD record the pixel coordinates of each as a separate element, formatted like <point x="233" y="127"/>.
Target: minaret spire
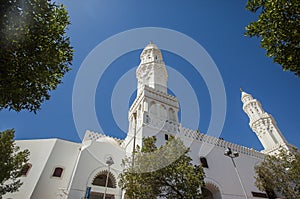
<point x="152" y="70"/>
<point x="264" y="125"/>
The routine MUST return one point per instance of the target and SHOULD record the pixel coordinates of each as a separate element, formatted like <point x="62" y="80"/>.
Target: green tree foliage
<point x="278" y="26"/>
<point x="34" y="52"/>
<point x="166" y="172"/>
<point x="12" y="161"/>
<point x="280" y="174"/>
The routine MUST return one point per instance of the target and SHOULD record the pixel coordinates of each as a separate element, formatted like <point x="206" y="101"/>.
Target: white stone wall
<point x="45" y="155"/>
<point x="82" y="162"/>
<point x="92" y="161"/>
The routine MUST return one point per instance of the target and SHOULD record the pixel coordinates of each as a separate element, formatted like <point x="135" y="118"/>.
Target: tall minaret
<point x="264" y="125"/>
<point x="154" y="109"/>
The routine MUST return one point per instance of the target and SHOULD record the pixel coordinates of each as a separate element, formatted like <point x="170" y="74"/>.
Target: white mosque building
<point x="63" y="169"/>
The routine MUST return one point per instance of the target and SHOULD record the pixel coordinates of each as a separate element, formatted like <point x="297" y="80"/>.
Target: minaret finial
<point x="150" y="42"/>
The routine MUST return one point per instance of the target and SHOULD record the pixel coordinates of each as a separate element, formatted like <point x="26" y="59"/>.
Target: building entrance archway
<point x="211" y="191"/>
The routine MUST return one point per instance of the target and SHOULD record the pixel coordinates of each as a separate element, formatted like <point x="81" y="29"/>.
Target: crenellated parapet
<point x="177" y="130"/>
<point x="186" y="133"/>
<point x="91" y="135"/>
<point x="156" y="95"/>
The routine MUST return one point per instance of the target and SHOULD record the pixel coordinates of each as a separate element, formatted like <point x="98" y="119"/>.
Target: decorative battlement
<point x="91" y="135"/>
<point x="182" y="132"/>
<point x="161" y="94"/>
<point x="156" y="95"/>
<point x="185" y="133"/>
<point x="201" y="137"/>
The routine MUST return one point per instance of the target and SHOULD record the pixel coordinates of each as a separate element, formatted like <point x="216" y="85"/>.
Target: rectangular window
<point x="166" y="137"/>
<point x="57" y="172"/>
<point x="25" y="169"/>
<point x="203" y="162"/>
<point x="259" y="194"/>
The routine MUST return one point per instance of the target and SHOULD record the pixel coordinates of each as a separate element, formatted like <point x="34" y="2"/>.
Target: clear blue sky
<point x="217" y="25"/>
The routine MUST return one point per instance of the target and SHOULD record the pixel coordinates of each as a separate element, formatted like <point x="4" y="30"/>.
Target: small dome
<point x="151" y="53"/>
<point x="245" y="96"/>
<point x="108" y="140"/>
<point x="151" y="46"/>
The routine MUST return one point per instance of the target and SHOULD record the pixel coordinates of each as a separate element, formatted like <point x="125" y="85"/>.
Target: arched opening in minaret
<point x="153" y="110"/>
<point x="162" y="112"/>
<point x="172" y="115"/>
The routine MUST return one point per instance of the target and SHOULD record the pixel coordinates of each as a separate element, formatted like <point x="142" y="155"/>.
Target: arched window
<point x="57" y="172"/>
<point x="100" y="180"/>
<point x="24" y="171"/>
<point x="162" y="112"/>
<point x="153" y="109"/>
<point x="172" y="114"/>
